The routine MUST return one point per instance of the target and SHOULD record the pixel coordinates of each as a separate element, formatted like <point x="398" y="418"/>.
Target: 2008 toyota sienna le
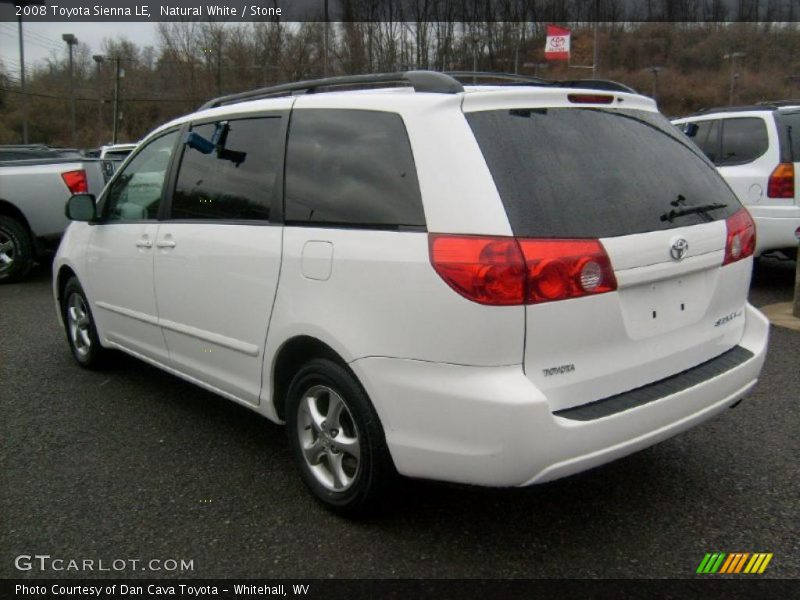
<point x="494" y="285"/>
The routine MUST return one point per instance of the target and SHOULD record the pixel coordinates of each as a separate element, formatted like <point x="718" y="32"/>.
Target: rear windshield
<point x="588" y="173"/>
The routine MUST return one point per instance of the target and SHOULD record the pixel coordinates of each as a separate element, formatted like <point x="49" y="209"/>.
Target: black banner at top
<point x="401" y="10"/>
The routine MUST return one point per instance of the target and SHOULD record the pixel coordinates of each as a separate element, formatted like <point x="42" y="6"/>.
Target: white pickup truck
<point x="33" y="194"/>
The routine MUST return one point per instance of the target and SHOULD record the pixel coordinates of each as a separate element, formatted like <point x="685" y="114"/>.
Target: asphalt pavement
<point x="135" y="464"/>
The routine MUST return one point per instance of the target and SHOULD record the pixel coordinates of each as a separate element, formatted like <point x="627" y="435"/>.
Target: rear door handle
<point x="144" y="243"/>
<point x="165" y="244"/>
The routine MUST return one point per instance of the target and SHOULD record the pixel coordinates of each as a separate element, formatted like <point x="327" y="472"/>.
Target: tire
<point x="80" y="327"/>
<point x="336" y="439"/>
<point x="16" y="250"/>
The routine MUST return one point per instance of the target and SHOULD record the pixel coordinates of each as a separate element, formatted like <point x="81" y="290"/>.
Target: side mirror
<point x="690" y="129"/>
<point x="80" y="207"/>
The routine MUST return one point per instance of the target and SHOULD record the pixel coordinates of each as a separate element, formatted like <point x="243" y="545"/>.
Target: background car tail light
<point x="76" y="181"/>
<point x="741" y="241"/>
<point x="561" y="269"/>
<point x="504" y="271"/>
<point x="781" y="181"/>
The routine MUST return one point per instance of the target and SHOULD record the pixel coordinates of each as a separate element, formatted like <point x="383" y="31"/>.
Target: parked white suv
<point x="490" y="285"/>
<point x="757" y="151"/>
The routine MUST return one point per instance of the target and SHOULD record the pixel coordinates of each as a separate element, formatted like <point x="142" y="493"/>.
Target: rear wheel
<point x="81" y="330"/>
<point x="16" y="250"/>
<point x="336" y="438"/>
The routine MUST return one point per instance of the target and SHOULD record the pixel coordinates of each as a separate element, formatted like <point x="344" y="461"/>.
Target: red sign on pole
<point x="557" y="45"/>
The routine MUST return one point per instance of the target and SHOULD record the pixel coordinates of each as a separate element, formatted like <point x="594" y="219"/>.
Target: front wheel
<point x="336" y="438"/>
<point x="81" y="330"/>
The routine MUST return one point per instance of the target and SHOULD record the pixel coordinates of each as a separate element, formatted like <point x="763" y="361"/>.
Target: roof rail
<point x="515" y="79"/>
<point x="779" y="103"/>
<point x="421" y="81"/>
<point x="727" y="109"/>
<point x="509" y="78"/>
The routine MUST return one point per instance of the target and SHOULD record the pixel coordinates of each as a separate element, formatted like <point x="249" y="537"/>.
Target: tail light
<point x="741" y="241"/>
<point x="562" y="269"/>
<point x="486" y="270"/>
<point x="76" y="181"/>
<point x="781" y="181"/>
<point x="504" y="271"/>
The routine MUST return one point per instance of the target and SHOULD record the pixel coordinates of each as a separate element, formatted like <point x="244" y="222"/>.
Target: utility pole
<point x="116" y="100"/>
<point x="219" y="63"/>
<point x="325" y="43"/>
<point x="98" y="59"/>
<point x="71" y="40"/>
<point x="22" y="84"/>
<point x="734" y="75"/>
<point x="596" y="50"/>
<point x="655" y="71"/>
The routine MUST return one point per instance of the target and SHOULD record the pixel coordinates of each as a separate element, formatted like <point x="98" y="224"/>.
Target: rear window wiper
<point x="686" y="209"/>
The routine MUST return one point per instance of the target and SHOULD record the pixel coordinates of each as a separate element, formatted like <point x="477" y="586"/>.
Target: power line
<point x="31" y="36"/>
<point x="33" y="42"/>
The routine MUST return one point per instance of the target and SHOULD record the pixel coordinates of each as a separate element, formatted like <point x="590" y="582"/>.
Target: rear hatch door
<point x="625" y="177"/>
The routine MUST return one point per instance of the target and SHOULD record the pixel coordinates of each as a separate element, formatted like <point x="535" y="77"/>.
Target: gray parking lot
<point x="132" y="463"/>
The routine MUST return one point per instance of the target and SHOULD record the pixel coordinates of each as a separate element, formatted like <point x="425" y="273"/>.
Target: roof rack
<point x="421" y="81"/>
<point x="764" y="105"/>
<point x="515" y="79"/>
<point x="779" y="103"/>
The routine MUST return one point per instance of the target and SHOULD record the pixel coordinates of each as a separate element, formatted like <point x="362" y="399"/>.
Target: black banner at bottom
<point x="407" y="589"/>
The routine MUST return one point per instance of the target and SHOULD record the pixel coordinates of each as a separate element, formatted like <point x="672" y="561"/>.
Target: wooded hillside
<point x="193" y="62"/>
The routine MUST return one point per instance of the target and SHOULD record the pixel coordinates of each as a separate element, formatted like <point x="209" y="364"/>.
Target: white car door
<point x="218" y="253"/>
<point x="121" y="248"/>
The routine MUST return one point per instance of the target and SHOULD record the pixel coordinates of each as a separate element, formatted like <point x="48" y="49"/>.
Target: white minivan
<point x="492" y="285"/>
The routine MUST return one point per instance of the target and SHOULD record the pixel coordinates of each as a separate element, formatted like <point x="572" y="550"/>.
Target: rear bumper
<point x="491" y="426"/>
<point x="775" y="226"/>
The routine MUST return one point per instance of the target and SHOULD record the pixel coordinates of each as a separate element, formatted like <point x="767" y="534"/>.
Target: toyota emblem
<point x="679" y="248"/>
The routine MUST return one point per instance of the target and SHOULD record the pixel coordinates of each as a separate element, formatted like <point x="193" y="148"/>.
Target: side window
<point x="351" y="167"/>
<point x="743" y="140"/>
<point x="136" y="193"/>
<point x="231" y="173"/>
<point x="706" y="135"/>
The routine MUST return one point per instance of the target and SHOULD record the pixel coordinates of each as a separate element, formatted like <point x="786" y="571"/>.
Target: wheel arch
<point x="290" y="357"/>
<point x="65" y="273"/>
<point x="10" y="210"/>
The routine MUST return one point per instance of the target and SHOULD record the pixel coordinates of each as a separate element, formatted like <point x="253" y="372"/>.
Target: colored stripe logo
<point x="734" y="563"/>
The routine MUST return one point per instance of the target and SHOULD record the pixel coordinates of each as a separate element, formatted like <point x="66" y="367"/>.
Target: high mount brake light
<point x="76" y="181"/>
<point x="505" y="271"/>
<point x="781" y="181"/>
<point x="590" y="98"/>
<point x="741" y="238"/>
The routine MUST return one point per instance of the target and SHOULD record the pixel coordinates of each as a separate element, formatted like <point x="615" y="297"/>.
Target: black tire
<point x="374" y="472"/>
<point x="80" y="327"/>
<point x="16" y="250"/>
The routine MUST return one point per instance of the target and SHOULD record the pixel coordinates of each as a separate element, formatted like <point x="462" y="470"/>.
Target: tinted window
<point x="790" y="123"/>
<point x="136" y="193"/>
<point x="583" y="173"/>
<point x="706" y="135"/>
<point x="236" y="178"/>
<point x="743" y="140"/>
<point x="351" y="167"/>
